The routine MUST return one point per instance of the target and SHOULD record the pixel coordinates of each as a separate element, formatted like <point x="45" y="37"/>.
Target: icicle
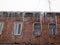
<point x="41" y="16"/>
<point x="56" y="21"/>
<point x="14" y="15"/>
<point x="1" y="14"/>
<point x="33" y="15"/>
<point x="18" y="13"/>
<point x="23" y="16"/>
<point x="56" y="18"/>
<point x="46" y="16"/>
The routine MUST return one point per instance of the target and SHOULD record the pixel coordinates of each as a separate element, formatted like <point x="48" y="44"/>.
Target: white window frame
<point x="40" y="24"/>
<point x="1" y="27"/>
<point x="15" y="26"/>
<point x="55" y="30"/>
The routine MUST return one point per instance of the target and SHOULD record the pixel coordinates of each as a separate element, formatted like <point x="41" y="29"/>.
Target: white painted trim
<point x="2" y="27"/>
<point x="21" y="27"/>
<point x="40" y="24"/>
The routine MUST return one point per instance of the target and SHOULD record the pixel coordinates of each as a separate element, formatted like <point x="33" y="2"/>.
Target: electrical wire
<point x="49" y="5"/>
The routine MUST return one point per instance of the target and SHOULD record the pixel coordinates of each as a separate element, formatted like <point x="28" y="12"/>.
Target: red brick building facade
<point x="28" y="22"/>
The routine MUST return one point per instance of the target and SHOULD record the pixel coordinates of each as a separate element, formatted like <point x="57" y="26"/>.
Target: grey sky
<point x="29" y="5"/>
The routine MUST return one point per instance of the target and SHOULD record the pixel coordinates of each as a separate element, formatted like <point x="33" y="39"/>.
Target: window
<point x="52" y="28"/>
<point x="5" y="14"/>
<point x="16" y="14"/>
<point x="37" y="29"/>
<point x="17" y="28"/>
<point x="28" y="15"/>
<point x="37" y="15"/>
<point x="1" y="27"/>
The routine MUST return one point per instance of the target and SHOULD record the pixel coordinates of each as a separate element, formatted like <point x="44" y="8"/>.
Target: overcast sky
<point x="29" y="5"/>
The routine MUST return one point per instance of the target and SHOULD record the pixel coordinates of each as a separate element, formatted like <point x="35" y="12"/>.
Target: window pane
<point x="52" y="28"/>
<point x="1" y="26"/>
<point x="17" y="29"/>
<point x="37" y="29"/>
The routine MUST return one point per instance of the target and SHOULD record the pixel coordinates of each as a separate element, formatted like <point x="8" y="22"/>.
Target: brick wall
<point x="27" y="35"/>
